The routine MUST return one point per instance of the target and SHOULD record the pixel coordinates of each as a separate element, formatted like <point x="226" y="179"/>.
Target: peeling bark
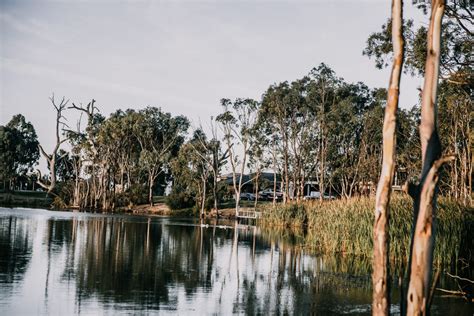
<point x="381" y="275"/>
<point x="424" y="194"/>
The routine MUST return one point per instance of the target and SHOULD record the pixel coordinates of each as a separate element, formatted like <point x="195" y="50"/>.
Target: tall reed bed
<point x="345" y="226"/>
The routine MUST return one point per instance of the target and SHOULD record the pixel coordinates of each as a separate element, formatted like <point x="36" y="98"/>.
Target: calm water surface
<point x="63" y="263"/>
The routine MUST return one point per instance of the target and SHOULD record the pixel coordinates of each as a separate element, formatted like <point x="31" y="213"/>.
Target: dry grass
<point x="345" y="226"/>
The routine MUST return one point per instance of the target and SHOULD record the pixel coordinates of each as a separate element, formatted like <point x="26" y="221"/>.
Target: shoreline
<point x="158" y="209"/>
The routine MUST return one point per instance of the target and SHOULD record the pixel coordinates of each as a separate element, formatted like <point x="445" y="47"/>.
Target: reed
<point x="345" y="226"/>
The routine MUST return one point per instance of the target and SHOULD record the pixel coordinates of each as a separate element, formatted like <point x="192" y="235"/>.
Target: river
<point x="66" y="263"/>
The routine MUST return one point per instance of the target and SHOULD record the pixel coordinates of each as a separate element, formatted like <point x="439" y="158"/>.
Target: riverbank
<point x="31" y="199"/>
<point x="345" y="227"/>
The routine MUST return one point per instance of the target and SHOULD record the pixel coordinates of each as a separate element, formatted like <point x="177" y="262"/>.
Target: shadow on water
<point x="78" y="263"/>
<point x="15" y="248"/>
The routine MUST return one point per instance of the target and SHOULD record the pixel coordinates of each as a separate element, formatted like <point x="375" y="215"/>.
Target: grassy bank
<point x="25" y="199"/>
<point x="345" y="226"/>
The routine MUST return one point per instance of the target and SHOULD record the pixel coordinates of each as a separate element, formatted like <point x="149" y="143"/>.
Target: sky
<point x="182" y="56"/>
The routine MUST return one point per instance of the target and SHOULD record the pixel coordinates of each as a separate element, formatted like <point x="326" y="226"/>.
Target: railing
<point x="249" y="214"/>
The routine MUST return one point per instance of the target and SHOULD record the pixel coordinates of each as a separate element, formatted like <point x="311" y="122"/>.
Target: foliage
<point x="18" y="148"/>
<point x="455" y="91"/>
<point x="456" y="49"/>
<point x="179" y="200"/>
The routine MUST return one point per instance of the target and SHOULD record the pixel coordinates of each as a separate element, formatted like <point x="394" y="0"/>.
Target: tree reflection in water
<point x="94" y="263"/>
<point x="15" y="248"/>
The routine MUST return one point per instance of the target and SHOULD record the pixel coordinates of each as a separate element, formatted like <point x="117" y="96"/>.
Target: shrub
<point x="179" y="200"/>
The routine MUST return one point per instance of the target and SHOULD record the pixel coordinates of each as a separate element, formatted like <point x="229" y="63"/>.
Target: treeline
<point x="317" y="128"/>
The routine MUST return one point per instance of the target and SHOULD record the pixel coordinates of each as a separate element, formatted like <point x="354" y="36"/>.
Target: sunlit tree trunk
<point x="424" y="194"/>
<point x="381" y="276"/>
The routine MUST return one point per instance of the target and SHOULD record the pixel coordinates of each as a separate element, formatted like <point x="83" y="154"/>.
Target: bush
<point x="137" y="194"/>
<point x="179" y="200"/>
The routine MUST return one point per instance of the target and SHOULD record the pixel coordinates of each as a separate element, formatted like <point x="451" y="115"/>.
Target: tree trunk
<point x="203" y="203"/>
<point x="274" y="176"/>
<point x="214" y="193"/>
<point x="424" y="194"/>
<point x="256" y="188"/>
<point x="381" y="275"/>
<point x="150" y="191"/>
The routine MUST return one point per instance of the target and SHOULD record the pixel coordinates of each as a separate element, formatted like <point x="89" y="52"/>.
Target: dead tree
<point x="381" y="275"/>
<point x="424" y="194"/>
<point x="51" y="159"/>
<point x="89" y="109"/>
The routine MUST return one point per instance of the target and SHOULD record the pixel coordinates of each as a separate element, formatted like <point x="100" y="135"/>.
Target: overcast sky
<point x="183" y="56"/>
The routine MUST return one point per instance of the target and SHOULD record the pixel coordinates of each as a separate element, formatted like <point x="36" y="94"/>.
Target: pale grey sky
<point x="183" y="56"/>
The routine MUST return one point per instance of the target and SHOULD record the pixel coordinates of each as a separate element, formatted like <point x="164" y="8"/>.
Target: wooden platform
<point x="249" y="214"/>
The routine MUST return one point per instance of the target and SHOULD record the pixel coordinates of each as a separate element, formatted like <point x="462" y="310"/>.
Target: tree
<point x="323" y="97"/>
<point x="51" y="158"/>
<point x="236" y="123"/>
<point x="210" y="152"/>
<point x="381" y="275"/>
<point x="456" y="125"/>
<point x="275" y="110"/>
<point x="456" y="48"/>
<point x="18" y="148"/>
<point x="187" y="178"/>
<point x="424" y="194"/>
<point x="455" y="90"/>
<point x="160" y="135"/>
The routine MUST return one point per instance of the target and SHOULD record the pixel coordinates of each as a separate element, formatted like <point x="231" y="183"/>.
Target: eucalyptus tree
<point x="322" y="97"/>
<point x="211" y="154"/>
<point x="258" y="155"/>
<point x="236" y="122"/>
<point x="344" y="148"/>
<point x="160" y="135"/>
<point x="424" y="194"/>
<point x="381" y="275"/>
<point x="18" y="149"/>
<point x="456" y="48"/>
<point x="268" y="150"/>
<point x="51" y="158"/>
<point x="114" y="141"/>
<point x="201" y="161"/>
<point x="302" y="135"/>
<point x="189" y="176"/>
<point x="275" y="110"/>
<point x="456" y="124"/>
<point x="438" y="62"/>
<point x="455" y="91"/>
<point x="84" y="143"/>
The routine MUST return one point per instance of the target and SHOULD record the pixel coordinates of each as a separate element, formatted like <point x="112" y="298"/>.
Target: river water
<point x="65" y="263"/>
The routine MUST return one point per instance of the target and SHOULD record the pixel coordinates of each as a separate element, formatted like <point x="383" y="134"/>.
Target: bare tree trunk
<point x="51" y="159"/>
<point x="151" y="181"/>
<point x="203" y="204"/>
<point x="381" y="275"/>
<point x="321" y="171"/>
<point x="425" y="193"/>
<point x="274" y="174"/>
<point x="214" y="192"/>
<point x="256" y="187"/>
<point x="286" y="192"/>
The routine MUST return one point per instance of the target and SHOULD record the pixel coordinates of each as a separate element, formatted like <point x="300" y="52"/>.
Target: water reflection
<point x="15" y="249"/>
<point x="72" y="263"/>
